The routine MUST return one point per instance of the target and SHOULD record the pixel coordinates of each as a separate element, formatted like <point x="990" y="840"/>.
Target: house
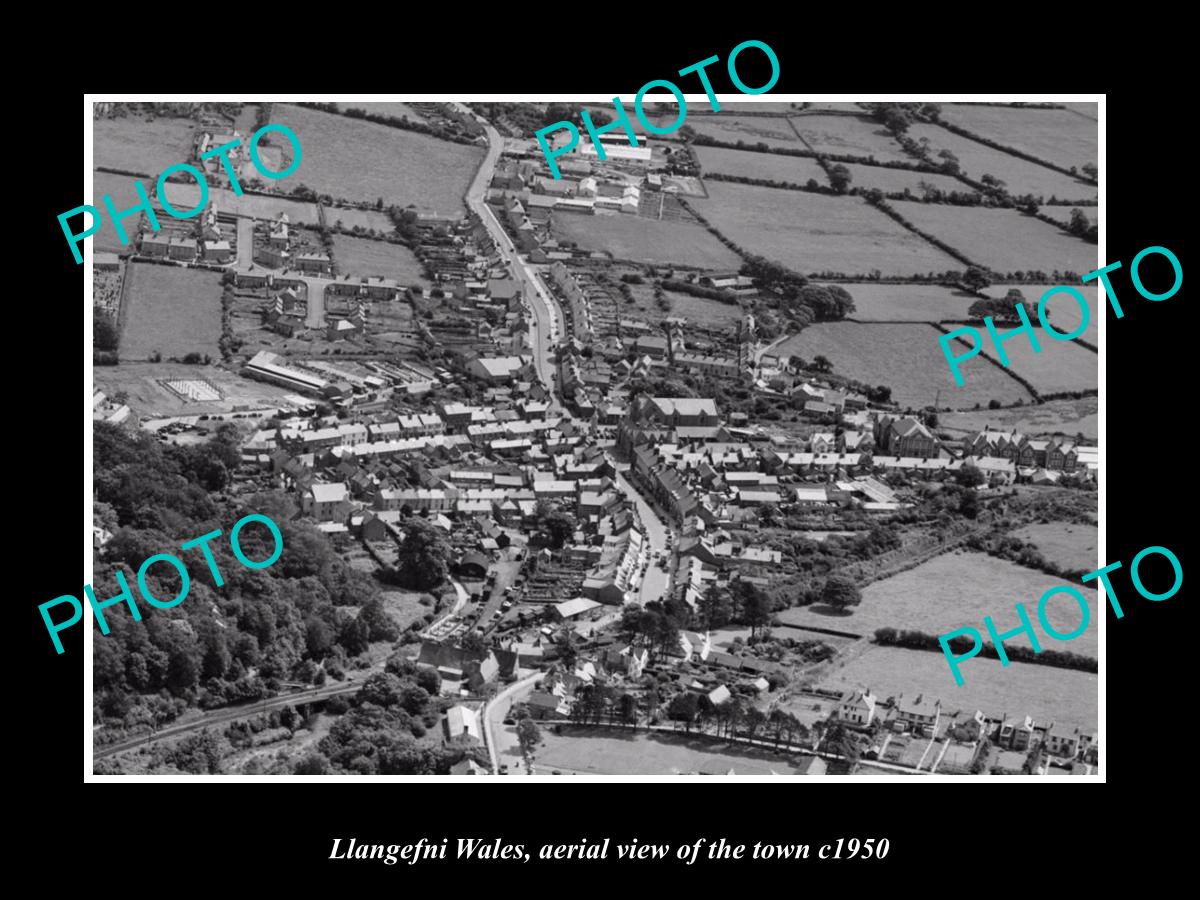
<point x="920" y="716"/>
<point x="1014" y="735"/>
<point x="327" y="502"/>
<point x="496" y="369"/>
<point x="460" y="720"/>
<point x="968" y="727"/>
<point x="719" y="695"/>
<point x="856" y="708"/>
<point x="157" y="245"/>
<point x="1059" y="741"/>
<point x="676" y="411"/>
<point x="544" y="705"/>
<point x="314" y="262"/>
<point x="904" y="437"/>
<point x="182" y="248"/>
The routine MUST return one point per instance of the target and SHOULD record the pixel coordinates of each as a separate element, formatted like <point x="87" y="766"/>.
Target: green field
<point x="1066" y="417"/>
<point x="814" y="233"/>
<point x="1063" y="213"/>
<point x="770" y="166"/>
<point x="1003" y="240"/>
<point x="1068" y="545"/>
<point x="907" y="302"/>
<point x="134" y="144"/>
<point x="1066" y="696"/>
<point x="774" y="131"/>
<point x="124" y="195"/>
<point x="645" y="240"/>
<point x="907" y="358"/>
<point x="360" y="160"/>
<point x="1060" y="366"/>
<point x="185" y="195"/>
<point x="364" y="218"/>
<point x="360" y="256"/>
<point x="1059" y="136"/>
<point x="849" y="136"/>
<point x="1021" y="177"/>
<point x="895" y="181"/>
<point x="172" y="311"/>
<point x="387" y="108"/>
<point x="958" y="589"/>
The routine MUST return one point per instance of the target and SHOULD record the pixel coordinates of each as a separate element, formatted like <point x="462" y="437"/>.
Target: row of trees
<point x="734" y="718"/>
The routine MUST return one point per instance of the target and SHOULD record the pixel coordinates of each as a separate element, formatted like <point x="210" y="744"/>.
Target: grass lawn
<point x="1021" y="177"/>
<point x="135" y="144"/>
<point x="185" y="195"/>
<point x="813" y="233"/>
<point x="365" y="218"/>
<point x="1059" y="136"/>
<point x="955" y="590"/>
<point x="591" y="751"/>
<point x="1068" y="545"/>
<point x="362" y="161"/>
<point x="849" y="136"/>
<point x="405" y="607"/>
<point x="172" y="311"/>
<point x="386" y="108"/>
<point x="1043" y="692"/>
<point x="894" y="181"/>
<point x="124" y="195"/>
<point x="1002" y="239"/>
<point x="1066" y="417"/>
<point x="907" y="358"/>
<point x="1063" y="213"/>
<point x="748" y="164"/>
<point x="1060" y="366"/>
<point x="907" y="302"/>
<point x="646" y="240"/>
<point x="773" y="131"/>
<point x="360" y="256"/>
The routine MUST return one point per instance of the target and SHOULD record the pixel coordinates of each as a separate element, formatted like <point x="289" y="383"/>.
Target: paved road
<point x="221" y="716"/>
<point x="497" y="709"/>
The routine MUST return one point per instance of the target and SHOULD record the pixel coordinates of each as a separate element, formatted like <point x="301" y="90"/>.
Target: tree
<point x="104" y="332"/>
<point x="528" y="735"/>
<point x="821" y="364"/>
<point x="715" y="607"/>
<point x="840" y="177"/>
<point x="1090" y="170"/>
<point x="423" y="556"/>
<point x="969" y="476"/>
<point x="313" y="764"/>
<point x="756" y="608"/>
<point x="976" y="278"/>
<point x="683" y="708"/>
<point x="840" y="592"/>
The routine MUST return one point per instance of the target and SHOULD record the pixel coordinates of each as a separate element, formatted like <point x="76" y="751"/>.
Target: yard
<point x="590" y="751"/>
<point x="770" y="166"/>
<point x="907" y="358"/>
<point x="1021" y="177"/>
<point x="814" y="233"/>
<point x="849" y="136"/>
<point x="1068" y="545"/>
<point x="645" y="240"/>
<point x="136" y="144"/>
<point x="1004" y="240"/>
<point x="360" y="256"/>
<point x="1059" y="136"/>
<point x="402" y="167"/>
<point x="1043" y="692"/>
<point x="172" y="311"/>
<point x="955" y="590"/>
<point x="1067" y="417"/>
<point x="907" y="302"/>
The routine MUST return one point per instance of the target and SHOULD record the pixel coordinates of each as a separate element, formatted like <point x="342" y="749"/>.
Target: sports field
<point x="646" y="240"/>
<point x="906" y="358"/>
<point x="172" y="311"/>
<point x="813" y="233"/>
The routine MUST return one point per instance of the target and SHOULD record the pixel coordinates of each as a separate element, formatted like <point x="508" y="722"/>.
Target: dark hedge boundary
<point x="919" y="640"/>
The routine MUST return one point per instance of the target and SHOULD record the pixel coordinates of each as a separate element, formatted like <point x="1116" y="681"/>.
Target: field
<point x="133" y="144"/>
<point x="124" y="195"/>
<point x="404" y="606"/>
<point x="1055" y="135"/>
<point x="1003" y="240"/>
<point x="1062" y="311"/>
<point x="359" y="256"/>
<point x="813" y="233"/>
<point x="185" y="195"/>
<point x="1022" y="177"/>
<point x="894" y="181"/>
<point x="1066" y="696"/>
<point x="1067" y="417"/>
<point x="383" y="109"/>
<point x="646" y="240"/>
<point x="907" y="358"/>
<point x="1087" y="110"/>
<point x="148" y="398"/>
<point x="172" y="311"/>
<point x="1061" y="366"/>
<point x="773" y="131"/>
<point x="365" y="218"/>
<point x="748" y="164"/>
<point x="955" y="590"/>
<point x="362" y="161"/>
<point x="849" y="136"/>
<point x="1068" y="545"/>
<point x="615" y="752"/>
<point x="907" y="302"/>
<point x="1063" y="213"/>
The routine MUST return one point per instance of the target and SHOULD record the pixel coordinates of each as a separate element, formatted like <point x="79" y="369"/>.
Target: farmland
<point x="135" y="144"/>
<point x="172" y="311"/>
<point x="1069" y="545"/>
<point x="895" y="181"/>
<point x="1067" y="417"/>
<point x="402" y="167"/>
<point x="906" y="358"/>
<point x="849" y="136"/>
<point x="1003" y="240"/>
<point x="185" y="195"/>
<point x="773" y="131"/>
<point x="645" y="240"/>
<point x="813" y="233"/>
<point x="1063" y="213"/>
<point x="1061" y="366"/>
<point x="387" y="108"/>
<point x="1022" y="177"/>
<point x="360" y="256"/>
<point x="1066" y="696"/>
<point x="1062" y="311"/>
<point x="908" y="302"/>
<point x="1059" y="136"/>
<point x="124" y="195"/>
<point x="955" y="590"/>
<point x="769" y="166"/>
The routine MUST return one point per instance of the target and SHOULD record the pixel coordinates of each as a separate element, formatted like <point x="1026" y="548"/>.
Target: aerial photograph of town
<point x="594" y="459"/>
